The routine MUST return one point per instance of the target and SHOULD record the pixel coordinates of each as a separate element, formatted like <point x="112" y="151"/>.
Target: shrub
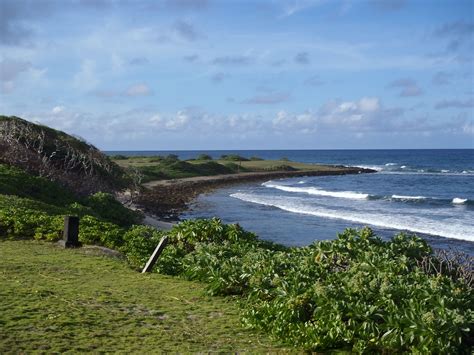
<point x="356" y="292"/>
<point x="203" y="157"/>
<point x="233" y="157"/>
<point x="95" y="231"/>
<point x="139" y="243"/>
<point x="107" y="207"/>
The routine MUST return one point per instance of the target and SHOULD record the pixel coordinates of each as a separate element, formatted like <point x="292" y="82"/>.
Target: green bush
<point x="203" y="157"/>
<point x="95" y="231"/>
<point x="139" y="243"/>
<point x="356" y="292"/>
<point x="233" y="157"/>
<point x="108" y="208"/>
<point x="14" y="181"/>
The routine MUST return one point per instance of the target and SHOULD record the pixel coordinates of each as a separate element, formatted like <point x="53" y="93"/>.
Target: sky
<point x="241" y="74"/>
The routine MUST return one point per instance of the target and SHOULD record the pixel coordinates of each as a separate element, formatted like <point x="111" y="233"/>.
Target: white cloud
<point x="369" y="104"/>
<point x="180" y="120"/>
<point x="468" y="128"/>
<point x="58" y="109"/>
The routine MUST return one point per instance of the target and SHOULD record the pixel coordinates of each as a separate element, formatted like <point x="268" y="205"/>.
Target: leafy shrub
<point x="15" y="181"/>
<point x="203" y="157"/>
<point x="356" y="292"/>
<point x="233" y="157"/>
<point x="255" y="158"/>
<point x="107" y="207"/>
<point x="139" y="243"/>
<point x="95" y="231"/>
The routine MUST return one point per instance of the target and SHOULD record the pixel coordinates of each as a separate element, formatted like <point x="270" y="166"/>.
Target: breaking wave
<point x="411" y="223"/>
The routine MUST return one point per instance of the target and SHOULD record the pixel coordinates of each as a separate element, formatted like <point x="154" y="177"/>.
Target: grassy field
<point x="57" y="300"/>
<point x="161" y="168"/>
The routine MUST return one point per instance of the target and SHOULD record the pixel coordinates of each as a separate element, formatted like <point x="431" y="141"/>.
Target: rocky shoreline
<point x="166" y="199"/>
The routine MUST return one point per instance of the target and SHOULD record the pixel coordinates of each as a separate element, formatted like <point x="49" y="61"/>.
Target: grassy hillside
<point x="55" y="300"/>
<point x="57" y="156"/>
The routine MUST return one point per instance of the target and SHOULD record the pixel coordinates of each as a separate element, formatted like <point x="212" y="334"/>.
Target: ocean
<point x="425" y="192"/>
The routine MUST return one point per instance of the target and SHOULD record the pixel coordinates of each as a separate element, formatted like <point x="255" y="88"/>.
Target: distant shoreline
<point x="166" y="199"/>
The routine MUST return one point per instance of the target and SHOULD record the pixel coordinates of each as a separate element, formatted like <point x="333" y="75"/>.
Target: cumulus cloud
<point x="454" y="104"/>
<point x="57" y="110"/>
<point x="408" y="87"/>
<point x="350" y="118"/>
<point x="350" y="113"/>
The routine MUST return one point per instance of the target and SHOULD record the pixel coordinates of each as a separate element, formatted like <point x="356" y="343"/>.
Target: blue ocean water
<point x="427" y="192"/>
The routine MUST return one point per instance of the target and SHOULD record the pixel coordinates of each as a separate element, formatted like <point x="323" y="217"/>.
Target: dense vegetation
<point x="357" y="292"/>
<point x="171" y="167"/>
<point x="58" y="157"/>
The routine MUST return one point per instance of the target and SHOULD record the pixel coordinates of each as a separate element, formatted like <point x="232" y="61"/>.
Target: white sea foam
<point x="403" y="167"/>
<point x="301" y="182"/>
<point x="411" y="223"/>
<point x="390" y="164"/>
<point x="373" y="167"/>
<point x="319" y="192"/>
<point x="445" y="171"/>
<point x="403" y="197"/>
<point x="459" y="201"/>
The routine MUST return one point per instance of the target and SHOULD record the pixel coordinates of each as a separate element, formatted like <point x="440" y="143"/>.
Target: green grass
<point x="159" y="168"/>
<point x="15" y="181"/>
<point x="56" y="300"/>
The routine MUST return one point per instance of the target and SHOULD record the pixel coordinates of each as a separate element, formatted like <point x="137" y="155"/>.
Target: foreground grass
<point x="57" y="300"/>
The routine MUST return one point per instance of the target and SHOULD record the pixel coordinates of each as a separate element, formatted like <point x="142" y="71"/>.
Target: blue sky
<point x="210" y="74"/>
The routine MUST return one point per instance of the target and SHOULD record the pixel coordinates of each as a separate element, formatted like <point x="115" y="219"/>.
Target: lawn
<point x="57" y="300"/>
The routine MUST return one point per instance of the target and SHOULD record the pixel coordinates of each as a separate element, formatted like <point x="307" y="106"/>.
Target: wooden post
<point x="71" y="232"/>
<point x="156" y="254"/>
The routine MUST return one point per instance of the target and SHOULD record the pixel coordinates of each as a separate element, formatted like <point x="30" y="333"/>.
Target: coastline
<point x="164" y="200"/>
